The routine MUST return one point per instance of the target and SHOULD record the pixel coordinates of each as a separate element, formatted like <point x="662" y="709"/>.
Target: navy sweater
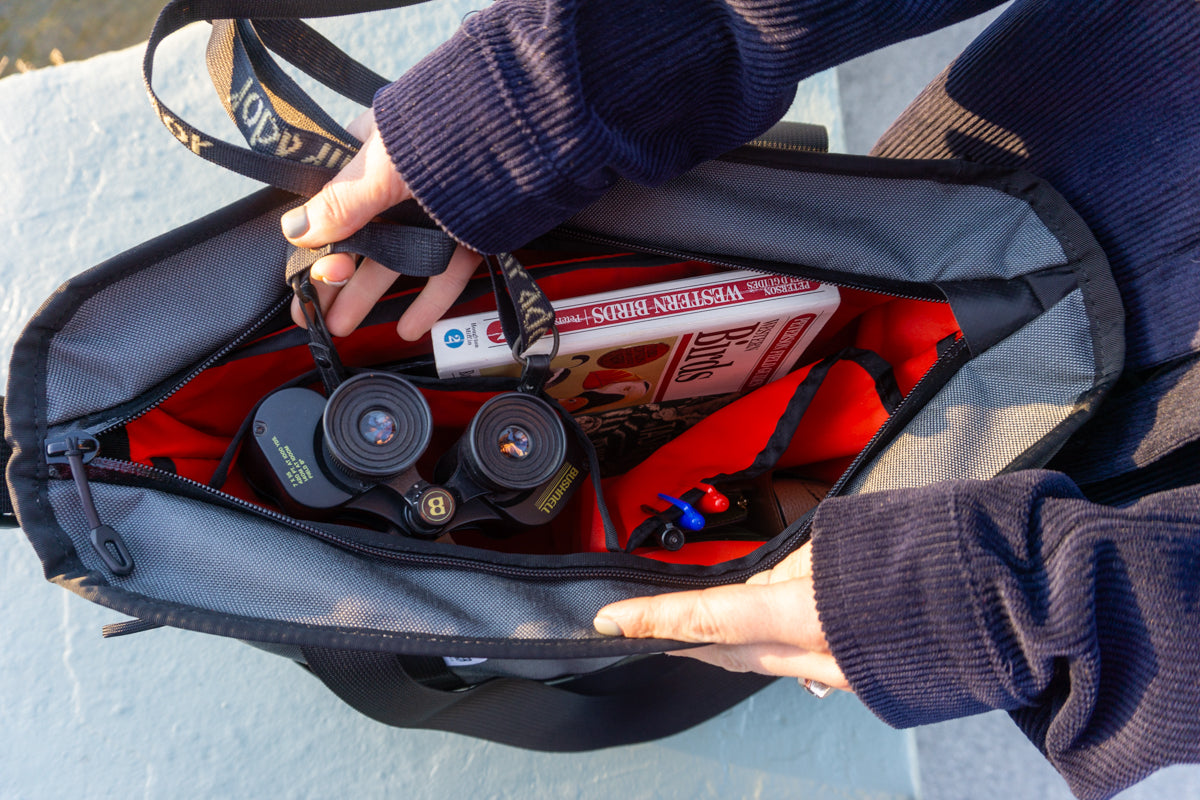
<point x="1069" y="597"/>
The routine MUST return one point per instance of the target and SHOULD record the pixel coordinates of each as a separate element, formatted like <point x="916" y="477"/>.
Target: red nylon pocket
<point x="837" y="421"/>
<point x="905" y="333"/>
<point x="194" y="427"/>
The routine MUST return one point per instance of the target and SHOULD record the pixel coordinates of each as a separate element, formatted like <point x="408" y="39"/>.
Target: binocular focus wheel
<point x="516" y="441"/>
<point x="376" y="425"/>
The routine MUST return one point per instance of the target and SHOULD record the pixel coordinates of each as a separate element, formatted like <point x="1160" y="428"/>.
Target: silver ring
<point x="815" y="688"/>
<point x="521" y="358"/>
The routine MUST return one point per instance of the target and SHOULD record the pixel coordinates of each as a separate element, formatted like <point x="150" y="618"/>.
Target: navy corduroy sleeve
<point x="534" y="107"/>
<point x="1081" y="620"/>
<point x="939" y="602"/>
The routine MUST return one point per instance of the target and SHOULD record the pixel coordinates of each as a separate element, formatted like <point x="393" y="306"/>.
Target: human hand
<point x="365" y="187"/>
<point x="768" y="624"/>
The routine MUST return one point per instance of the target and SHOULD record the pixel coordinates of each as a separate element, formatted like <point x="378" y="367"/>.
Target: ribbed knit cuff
<point x="898" y="607"/>
<point x="456" y="128"/>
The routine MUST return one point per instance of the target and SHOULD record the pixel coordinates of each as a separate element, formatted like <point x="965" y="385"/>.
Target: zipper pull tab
<point x="76" y="450"/>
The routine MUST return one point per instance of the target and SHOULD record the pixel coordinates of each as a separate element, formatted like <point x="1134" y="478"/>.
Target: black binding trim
<point x="8" y="515"/>
<point x="989" y="311"/>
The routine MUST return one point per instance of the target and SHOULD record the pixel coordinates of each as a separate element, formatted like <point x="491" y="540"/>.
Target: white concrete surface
<point x="87" y="172"/>
<point x="875" y="88"/>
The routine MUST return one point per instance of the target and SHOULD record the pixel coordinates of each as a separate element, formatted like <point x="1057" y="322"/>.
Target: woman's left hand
<point x="365" y="187"/>
<point x="768" y="624"/>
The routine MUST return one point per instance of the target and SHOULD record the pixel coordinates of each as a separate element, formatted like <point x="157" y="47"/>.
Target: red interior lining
<point x="838" y="424"/>
<point x="193" y="428"/>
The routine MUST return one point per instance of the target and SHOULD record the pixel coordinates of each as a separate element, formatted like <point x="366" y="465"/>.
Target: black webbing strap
<point x="525" y="312"/>
<point x="294" y="144"/>
<point x="322" y="59"/>
<point x="8" y="516"/>
<point x="408" y="250"/>
<point x="274" y="114"/>
<point x="320" y="342"/>
<point x="300" y="178"/>
<point x="634" y="702"/>
<point x="870" y="362"/>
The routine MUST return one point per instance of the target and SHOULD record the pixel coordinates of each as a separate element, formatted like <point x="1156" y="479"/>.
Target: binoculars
<point x="353" y="458"/>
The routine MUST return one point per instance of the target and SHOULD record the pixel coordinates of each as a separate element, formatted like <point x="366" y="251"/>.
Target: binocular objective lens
<point x="377" y="427"/>
<point x="514" y="442"/>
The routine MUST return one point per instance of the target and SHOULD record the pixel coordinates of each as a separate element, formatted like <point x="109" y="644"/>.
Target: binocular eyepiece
<point x="376" y="426"/>
<point x="354" y="457"/>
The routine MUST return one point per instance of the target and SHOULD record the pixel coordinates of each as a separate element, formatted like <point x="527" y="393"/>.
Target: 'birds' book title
<point x="719" y="334"/>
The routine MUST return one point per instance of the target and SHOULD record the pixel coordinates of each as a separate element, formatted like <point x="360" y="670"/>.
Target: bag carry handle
<point x="295" y="145"/>
<point x="303" y="47"/>
<point x="409" y="249"/>
<point x="264" y="102"/>
<point x="304" y="179"/>
<point x="276" y="117"/>
<point x="242" y="49"/>
<point x="634" y="702"/>
<point x="273" y="112"/>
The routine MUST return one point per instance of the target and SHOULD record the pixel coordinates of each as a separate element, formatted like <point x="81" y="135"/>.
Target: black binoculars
<point x="352" y="458"/>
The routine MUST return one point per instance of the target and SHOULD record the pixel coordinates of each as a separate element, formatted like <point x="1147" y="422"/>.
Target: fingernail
<point x="295" y="222"/>
<point x="607" y="626"/>
<point x="328" y="282"/>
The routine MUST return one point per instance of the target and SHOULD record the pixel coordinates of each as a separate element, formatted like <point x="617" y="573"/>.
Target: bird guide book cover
<point x="720" y="334"/>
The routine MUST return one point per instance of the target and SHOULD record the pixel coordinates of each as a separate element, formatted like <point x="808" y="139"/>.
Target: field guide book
<point x="721" y="334"/>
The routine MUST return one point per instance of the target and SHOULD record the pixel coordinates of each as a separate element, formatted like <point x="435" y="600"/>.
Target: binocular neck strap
<point x="320" y="342"/>
<point x="525" y="317"/>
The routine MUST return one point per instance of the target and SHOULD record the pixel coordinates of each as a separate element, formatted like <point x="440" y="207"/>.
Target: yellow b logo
<point x="437" y="505"/>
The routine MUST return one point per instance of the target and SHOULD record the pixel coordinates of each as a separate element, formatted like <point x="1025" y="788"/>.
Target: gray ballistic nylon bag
<point x="398" y="626"/>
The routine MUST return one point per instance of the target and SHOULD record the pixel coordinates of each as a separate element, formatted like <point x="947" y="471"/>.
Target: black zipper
<point x="919" y="291"/>
<point x="112" y="549"/>
<point x="952" y="356"/>
<point x="648" y="575"/>
<point x="75" y="450"/>
<point x="163" y="396"/>
<point x="184" y="485"/>
<point x="785" y="147"/>
<point x="803" y="526"/>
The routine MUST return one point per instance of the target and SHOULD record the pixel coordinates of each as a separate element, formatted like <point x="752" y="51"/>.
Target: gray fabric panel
<point x="910" y="230"/>
<point x="222" y="560"/>
<point x="138" y="331"/>
<point x="982" y="418"/>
